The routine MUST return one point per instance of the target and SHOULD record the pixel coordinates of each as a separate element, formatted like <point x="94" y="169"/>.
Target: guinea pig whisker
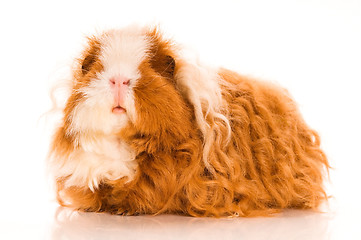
<point x="161" y="86"/>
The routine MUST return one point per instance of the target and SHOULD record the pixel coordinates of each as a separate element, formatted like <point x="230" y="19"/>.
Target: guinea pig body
<point x="147" y="131"/>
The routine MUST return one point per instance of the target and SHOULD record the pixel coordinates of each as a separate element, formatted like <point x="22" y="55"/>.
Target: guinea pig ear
<point x="163" y="65"/>
<point x="161" y="54"/>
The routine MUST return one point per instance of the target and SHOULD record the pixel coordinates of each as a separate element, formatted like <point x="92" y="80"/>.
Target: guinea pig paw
<point x="86" y="209"/>
<point x="117" y="211"/>
<point x="123" y="213"/>
<point x="126" y="213"/>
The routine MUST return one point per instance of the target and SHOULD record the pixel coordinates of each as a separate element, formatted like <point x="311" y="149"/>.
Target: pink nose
<point x="119" y="86"/>
<point x="120" y="80"/>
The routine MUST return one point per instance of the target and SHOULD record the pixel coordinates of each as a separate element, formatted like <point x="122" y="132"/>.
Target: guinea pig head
<point x="126" y="85"/>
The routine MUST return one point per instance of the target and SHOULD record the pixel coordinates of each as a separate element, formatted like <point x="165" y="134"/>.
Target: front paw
<point x="123" y="212"/>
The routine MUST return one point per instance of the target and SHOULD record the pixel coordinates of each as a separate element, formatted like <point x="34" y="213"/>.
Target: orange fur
<point x="272" y="160"/>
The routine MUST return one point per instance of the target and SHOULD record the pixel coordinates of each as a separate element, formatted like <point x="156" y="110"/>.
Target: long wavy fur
<point x="207" y="143"/>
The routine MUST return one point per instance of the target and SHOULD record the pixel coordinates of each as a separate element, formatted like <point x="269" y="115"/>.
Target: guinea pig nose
<point x="119" y="80"/>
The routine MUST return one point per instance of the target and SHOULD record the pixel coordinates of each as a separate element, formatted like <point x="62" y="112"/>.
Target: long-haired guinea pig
<point x="146" y="130"/>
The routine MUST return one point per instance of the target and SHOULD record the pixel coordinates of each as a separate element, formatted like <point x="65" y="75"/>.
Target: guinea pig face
<point x="118" y="83"/>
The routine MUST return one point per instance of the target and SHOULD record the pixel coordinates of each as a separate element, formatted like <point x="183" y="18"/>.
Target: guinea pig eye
<point x="87" y="63"/>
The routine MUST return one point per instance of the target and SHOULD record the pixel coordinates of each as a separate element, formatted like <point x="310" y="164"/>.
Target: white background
<point x="311" y="47"/>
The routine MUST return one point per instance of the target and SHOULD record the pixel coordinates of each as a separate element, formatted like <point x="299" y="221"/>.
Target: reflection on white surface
<point x="289" y="225"/>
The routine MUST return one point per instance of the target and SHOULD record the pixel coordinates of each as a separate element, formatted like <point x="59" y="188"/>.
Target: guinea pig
<point x="147" y="130"/>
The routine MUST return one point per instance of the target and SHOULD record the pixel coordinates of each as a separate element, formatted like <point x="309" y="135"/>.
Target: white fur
<point x="200" y="84"/>
<point x="122" y="51"/>
<point x="94" y="112"/>
<point x="98" y="158"/>
<point x="98" y="154"/>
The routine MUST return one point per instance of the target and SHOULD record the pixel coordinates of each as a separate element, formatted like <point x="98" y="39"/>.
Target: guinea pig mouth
<point x="118" y="109"/>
